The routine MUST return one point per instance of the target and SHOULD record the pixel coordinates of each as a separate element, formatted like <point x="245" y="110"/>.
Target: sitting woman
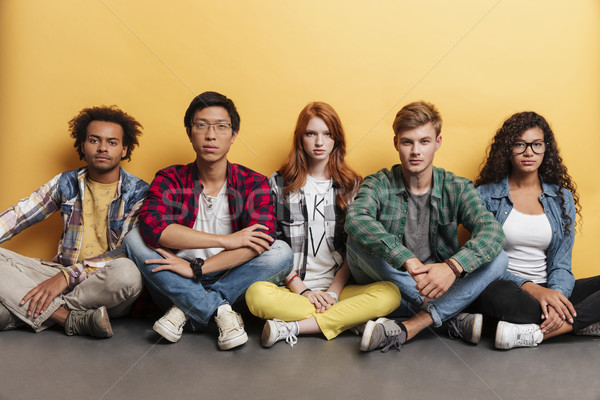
<point x="312" y="191"/>
<point x="525" y="184"/>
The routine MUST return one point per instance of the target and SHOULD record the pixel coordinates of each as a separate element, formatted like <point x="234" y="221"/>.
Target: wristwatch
<point x="196" y="265"/>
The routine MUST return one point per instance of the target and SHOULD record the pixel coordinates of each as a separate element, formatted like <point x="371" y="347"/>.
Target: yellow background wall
<point x="478" y="61"/>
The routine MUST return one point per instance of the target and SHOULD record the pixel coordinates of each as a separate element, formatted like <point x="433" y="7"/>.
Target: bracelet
<point x="453" y="268"/>
<point x="334" y="295"/>
<point x="287" y="284"/>
<point x="305" y="290"/>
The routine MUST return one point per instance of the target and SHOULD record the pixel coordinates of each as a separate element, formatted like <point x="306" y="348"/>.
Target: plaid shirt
<point x="292" y="223"/>
<point x="65" y="193"/>
<point x="174" y="193"/>
<point x="377" y="218"/>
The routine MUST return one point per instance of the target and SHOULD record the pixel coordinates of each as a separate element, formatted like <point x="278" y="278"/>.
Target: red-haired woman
<point x="312" y="191"/>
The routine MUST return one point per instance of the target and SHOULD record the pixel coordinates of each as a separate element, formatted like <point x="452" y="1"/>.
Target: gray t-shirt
<point x="416" y="231"/>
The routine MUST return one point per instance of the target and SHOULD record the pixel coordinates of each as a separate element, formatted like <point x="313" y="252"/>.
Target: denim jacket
<point x="558" y="257"/>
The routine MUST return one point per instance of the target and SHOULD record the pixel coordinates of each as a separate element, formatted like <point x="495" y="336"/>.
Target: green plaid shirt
<point x="377" y="217"/>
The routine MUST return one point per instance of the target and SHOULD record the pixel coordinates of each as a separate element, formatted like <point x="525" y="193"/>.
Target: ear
<point x="438" y="142"/>
<point x="234" y="136"/>
<point x="396" y="142"/>
<point x="124" y="153"/>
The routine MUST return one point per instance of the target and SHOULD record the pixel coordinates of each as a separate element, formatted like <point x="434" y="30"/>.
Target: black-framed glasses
<point x="219" y="127"/>
<point x="520" y="147"/>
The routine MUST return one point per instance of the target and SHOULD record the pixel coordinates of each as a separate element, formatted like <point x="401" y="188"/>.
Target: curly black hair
<point x="497" y="165"/>
<point x="131" y="128"/>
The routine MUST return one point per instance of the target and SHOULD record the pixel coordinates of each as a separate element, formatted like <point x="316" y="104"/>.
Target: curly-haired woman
<point x="525" y="184"/>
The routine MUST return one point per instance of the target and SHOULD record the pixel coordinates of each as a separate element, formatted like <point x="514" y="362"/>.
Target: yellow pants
<point x="357" y="304"/>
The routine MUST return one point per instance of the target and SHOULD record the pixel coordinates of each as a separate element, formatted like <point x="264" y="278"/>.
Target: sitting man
<point x="89" y="279"/>
<point x="207" y="230"/>
<point x="402" y="227"/>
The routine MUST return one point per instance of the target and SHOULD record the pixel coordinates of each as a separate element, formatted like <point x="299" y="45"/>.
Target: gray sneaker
<point x="382" y="334"/>
<point x="8" y="319"/>
<point x="89" y="322"/>
<point x="465" y="326"/>
<point x="590" y="330"/>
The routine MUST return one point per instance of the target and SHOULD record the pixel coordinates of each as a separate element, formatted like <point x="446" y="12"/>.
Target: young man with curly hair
<point x="402" y="227"/>
<point x="89" y="279"/>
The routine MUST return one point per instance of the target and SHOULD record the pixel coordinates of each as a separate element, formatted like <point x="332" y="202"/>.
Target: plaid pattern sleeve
<point x="29" y="211"/>
<point x="122" y="217"/>
<point x="487" y="237"/>
<point x="79" y="272"/>
<point x="292" y="223"/>
<point x="171" y="199"/>
<point x="376" y="218"/>
<point x="250" y="199"/>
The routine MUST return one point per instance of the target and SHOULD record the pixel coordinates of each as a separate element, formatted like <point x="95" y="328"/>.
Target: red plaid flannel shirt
<point x="174" y="193"/>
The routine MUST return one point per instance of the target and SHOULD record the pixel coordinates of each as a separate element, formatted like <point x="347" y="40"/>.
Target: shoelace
<point x="178" y="319"/>
<point x="178" y="323"/>
<point x="392" y="341"/>
<point x="453" y="330"/>
<point x="526" y="337"/>
<point x="231" y="321"/>
<point x="286" y="332"/>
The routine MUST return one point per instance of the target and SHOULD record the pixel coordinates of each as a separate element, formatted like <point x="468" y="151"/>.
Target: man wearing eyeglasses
<point x="207" y="230"/>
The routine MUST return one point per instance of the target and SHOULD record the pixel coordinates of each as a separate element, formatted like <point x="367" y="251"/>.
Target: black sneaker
<point x="465" y="326"/>
<point x="382" y="334"/>
<point x="89" y="322"/>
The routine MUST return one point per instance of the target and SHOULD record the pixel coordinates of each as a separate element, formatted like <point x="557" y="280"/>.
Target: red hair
<point x="295" y="169"/>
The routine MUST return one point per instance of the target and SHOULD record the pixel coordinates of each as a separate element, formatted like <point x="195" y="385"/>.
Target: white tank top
<point x="528" y="237"/>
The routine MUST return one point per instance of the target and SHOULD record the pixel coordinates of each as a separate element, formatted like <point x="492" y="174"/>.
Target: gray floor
<point x="134" y="364"/>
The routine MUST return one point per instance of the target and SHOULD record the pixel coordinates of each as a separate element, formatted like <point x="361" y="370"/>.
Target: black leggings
<point x="505" y="301"/>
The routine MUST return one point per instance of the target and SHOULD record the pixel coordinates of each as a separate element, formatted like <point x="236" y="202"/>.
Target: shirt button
<point x="505" y="212"/>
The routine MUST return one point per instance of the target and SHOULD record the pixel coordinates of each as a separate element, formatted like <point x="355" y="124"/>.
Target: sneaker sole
<point x="165" y="332"/>
<point x="366" y="337"/>
<point x="477" y="326"/>
<point x="233" y="342"/>
<point x="266" y="340"/>
<point x="105" y="323"/>
<point x="502" y="325"/>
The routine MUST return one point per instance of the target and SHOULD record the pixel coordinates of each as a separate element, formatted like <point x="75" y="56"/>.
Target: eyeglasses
<point x="219" y="127"/>
<point x="537" y="147"/>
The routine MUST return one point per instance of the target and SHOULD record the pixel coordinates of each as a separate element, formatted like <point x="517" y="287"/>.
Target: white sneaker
<point x="517" y="335"/>
<point x="276" y="330"/>
<point x="590" y="330"/>
<point x="231" y="328"/>
<point x="170" y="326"/>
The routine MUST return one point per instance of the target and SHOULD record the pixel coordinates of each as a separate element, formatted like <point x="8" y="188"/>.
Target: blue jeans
<point x="367" y="268"/>
<point x="200" y="298"/>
